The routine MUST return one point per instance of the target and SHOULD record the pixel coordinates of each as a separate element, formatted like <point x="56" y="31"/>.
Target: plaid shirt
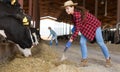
<point x="87" y="26"/>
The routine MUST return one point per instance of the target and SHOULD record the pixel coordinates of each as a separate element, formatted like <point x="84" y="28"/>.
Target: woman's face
<point x="69" y="9"/>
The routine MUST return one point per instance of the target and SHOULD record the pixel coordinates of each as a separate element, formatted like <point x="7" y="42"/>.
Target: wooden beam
<point x="84" y="3"/>
<point x="30" y="8"/>
<point x="21" y="3"/>
<point x="118" y="11"/>
<point x="36" y="13"/>
<point x="96" y="8"/>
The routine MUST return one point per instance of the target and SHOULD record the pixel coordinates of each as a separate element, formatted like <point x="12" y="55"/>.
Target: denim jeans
<point x="54" y="38"/>
<point x="99" y="40"/>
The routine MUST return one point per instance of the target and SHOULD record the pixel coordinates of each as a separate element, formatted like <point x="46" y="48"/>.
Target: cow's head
<point x="26" y="44"/>
<point x="23" y="42"/>
<point x="14" y="29"/>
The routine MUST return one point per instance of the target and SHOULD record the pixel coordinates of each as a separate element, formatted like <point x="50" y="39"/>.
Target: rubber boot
<point x="84" y="63"/>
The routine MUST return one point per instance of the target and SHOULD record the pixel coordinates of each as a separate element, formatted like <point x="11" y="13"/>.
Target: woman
<point x="89" y="26"/>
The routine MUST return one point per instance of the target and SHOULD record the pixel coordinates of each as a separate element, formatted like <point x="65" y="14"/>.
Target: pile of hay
<point x="44" y="58"/>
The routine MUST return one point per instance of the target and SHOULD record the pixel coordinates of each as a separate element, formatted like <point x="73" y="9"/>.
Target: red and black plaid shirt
<point x="87" y="26"/>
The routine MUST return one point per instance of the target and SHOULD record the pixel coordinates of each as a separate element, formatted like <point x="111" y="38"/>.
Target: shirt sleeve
<point x="78" y="24"/>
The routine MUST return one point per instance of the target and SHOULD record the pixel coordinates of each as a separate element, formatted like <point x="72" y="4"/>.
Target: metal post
<point x="105" y="8"/>
<point x="84" y="3"/>
<point x="96" y="7"/>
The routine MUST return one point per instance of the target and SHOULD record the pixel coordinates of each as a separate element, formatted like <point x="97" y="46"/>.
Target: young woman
<point x="90" y="28"/>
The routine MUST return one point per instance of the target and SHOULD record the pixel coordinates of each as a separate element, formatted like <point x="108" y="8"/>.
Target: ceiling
<point x="53" y="8"/>
<point x="50" y="7"/>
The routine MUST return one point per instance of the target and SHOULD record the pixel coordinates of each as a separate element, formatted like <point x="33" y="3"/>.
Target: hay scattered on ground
<point x="44" y="58"/>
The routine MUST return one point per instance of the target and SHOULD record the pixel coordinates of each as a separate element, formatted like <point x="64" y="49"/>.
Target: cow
<point x="35" y="35"/>
<point x="13" y="29"/>
<point x="10" y="10"/>
<point x="111" y="35"/>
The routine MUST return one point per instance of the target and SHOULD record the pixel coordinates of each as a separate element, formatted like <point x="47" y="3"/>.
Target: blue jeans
<point x="100" y="42"/>
<point x="54" y="38"/>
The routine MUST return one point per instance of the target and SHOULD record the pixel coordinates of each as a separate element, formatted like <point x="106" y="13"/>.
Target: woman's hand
<point x="69" y="43"/>
<point x="71" y="40"/>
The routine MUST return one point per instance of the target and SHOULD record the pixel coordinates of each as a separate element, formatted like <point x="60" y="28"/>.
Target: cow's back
<point x="9" y="10"/>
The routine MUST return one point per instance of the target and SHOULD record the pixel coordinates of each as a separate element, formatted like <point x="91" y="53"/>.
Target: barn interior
<point x="105" y="10"/>
<point x="47" y="59"/>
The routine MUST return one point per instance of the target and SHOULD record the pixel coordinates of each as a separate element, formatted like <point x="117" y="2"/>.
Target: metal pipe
<point x="84" y="3"/>
<point x="105" y="8"/>
<point x="96" y="8"/>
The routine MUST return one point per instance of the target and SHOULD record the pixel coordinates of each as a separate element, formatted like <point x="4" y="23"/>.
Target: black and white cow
<point x="111" y="35"/>
<point x="13" y="29"/>
<point x="35" y="35"/>
<point x="9" y="10"/>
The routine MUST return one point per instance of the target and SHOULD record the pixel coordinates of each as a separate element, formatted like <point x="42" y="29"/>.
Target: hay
<point x="44" y="58"/>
